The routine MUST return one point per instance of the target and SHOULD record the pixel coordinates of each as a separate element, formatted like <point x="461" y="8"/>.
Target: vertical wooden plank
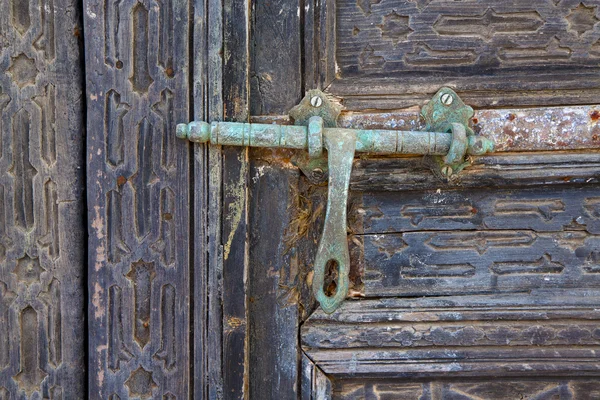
<point x="42" y="228"/>
<point x="208" y="103"/>
<point x="314" y="384"/>
<point x="306" y="378"/>
<point x="276" y="86"/>
<point x="310" y="52"/>
<point x="234" y="207"/>
<point x="200" y="229"/>
<point x="327" y="41"/>
<point x="234" y="200"/>
<point x="276" y="56"/>
<point x="208" y="250"/>
<point x="273" y="312"/>
<point x="272" y="282"/>
<point x="234" y="237"/>
<point x="137" y="59"/>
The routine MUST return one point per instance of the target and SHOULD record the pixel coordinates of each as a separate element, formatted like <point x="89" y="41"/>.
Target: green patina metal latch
<point x="447" y="137"/>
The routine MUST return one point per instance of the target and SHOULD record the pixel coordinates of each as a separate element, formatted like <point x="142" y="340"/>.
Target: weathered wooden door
<point x="197" y="283"/>
<point x="42" y="201"/>
<point x="482" y="286"/>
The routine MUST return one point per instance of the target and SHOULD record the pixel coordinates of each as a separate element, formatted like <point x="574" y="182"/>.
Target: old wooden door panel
<point x="522" y="170"/>
<point x="273" y="292"/>
<point x="382" y="55"/>
<point x="138" y="198"/>
<point x="392" y="54"/>
<point x="42" y="226"/>
<point x="444" y="242"/>
<point x="508" y="251"/>
<point x="274" y="267"/>
<point x="499" y="389"/>
<point x="542" y="333"/>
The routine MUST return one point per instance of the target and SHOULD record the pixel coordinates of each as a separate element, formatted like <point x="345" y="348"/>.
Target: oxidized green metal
<point x="333" y="245"/>
<point x="323" y="107"/>
<point x="444" y="110"/>
<point x="297" y="137"/>
<point x="448" y="138"/>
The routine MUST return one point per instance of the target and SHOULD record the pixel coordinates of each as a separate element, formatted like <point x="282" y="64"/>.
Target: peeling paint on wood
<point x="235" y="192"/>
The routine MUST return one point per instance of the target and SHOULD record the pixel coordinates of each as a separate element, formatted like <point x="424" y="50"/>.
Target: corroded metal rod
<point x="297" y="137"/>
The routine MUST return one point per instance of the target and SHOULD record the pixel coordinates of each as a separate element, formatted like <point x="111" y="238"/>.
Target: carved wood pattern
<point x="403" y="49"/>
<point x="42" y="234"/>
<point x="555" y="331"/>
<point x="492" y="275"/>
<point x="499" y="389"/>
<point x="139" y="199"/>
<point x="451" y="242"/>
<point x="117" y="350"/>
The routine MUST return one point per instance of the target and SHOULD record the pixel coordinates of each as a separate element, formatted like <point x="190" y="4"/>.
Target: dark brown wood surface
<point x="206" y="342"/>
<point x="42" y="203"/>
<point x="314" y="383"/>
<point x="465" y="389"/>
<point x="199" y="265"/>
<point x="208" y="250"/>
<point x="463" y="238"/>
<point x="137" y="63"/>
<point x="494" y="170"/>
<point x="537" y="334"/>
<point x="273" y="285"/>
<point x="388" y="55"/>
<point x="276" y="58"/>
<point x="234" y="206"/>
<point x="510" y="223"/>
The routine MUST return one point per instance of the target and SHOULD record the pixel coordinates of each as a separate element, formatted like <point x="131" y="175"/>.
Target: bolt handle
<point x="333" y="246"/>
<point x="447" y="137"/>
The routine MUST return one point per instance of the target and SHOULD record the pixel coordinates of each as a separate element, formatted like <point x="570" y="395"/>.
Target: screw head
<point x="446" y="170"/>
<point x="316" y="101"/>
<point x="318" y="173"/>
<point x="446" y="99"/>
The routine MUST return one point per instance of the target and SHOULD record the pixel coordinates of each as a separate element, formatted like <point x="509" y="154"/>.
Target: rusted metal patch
<point x="526" y="129"/>
<point x="558" y="128"/>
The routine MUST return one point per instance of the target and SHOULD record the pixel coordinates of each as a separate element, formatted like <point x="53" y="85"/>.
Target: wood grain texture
<point x="276" y="60"/>
<point x="468" y="241"/>
<point x="211" y="81"/>
<point x="42" y="182"/>
<point x="315" y="385"/>
<point x="391" y="55"/>
<point x="273" y="309"/>
<point x="555" y="209"/>
<point x="502" y="171"/>
<point x="234" y="223"/>
<point x="465" y="389"/>
<point x="138" y="199"/>
<point x="205" y="255"/>
<point x="544" y="332"/>
<point x="235" y="267"/>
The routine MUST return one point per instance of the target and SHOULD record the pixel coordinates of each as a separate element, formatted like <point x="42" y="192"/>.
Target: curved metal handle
<point x="333" y="246"/>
